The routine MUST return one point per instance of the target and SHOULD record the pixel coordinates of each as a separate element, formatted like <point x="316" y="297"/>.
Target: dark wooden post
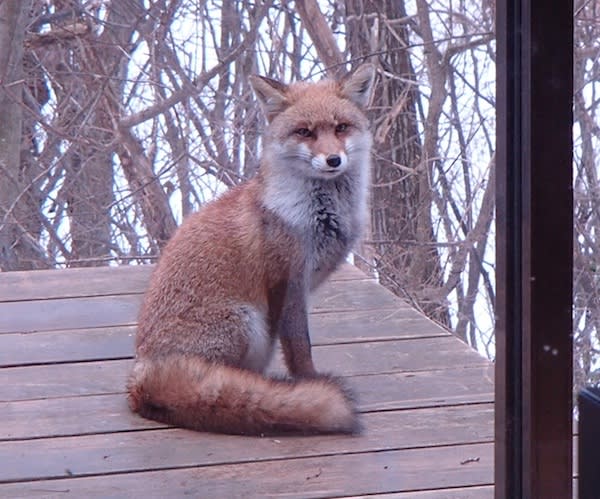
<point x="589" y="442"/>
<point x="534" y="249"/>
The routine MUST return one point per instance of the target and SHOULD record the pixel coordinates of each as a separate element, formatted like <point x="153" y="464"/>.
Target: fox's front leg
<point x="289" y="313"/>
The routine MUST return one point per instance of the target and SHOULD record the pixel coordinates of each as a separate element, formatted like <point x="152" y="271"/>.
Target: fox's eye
<point x="303" y="132"/>
<point x="341" y="128"/>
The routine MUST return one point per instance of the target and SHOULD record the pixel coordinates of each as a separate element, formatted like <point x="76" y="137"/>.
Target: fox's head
<point x="317" y="129"/>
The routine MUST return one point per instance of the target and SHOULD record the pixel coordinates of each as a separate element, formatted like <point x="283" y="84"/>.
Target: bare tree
<point x="587" y="194"/>
<point x="19" y="247"/>
<point x="424" y="238"/>
<point x="120" y="118"/>
<point x="402" y="235"/>
<point x="138" y="112"/>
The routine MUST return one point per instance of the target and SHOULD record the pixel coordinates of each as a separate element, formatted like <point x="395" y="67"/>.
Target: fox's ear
<point x="358" y="85"/>
<point x="270" y="94"/>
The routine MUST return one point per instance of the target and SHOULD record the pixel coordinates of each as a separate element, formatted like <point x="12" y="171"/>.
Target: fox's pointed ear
<point x="270" y="94"/>
<point x="358" y="85"/>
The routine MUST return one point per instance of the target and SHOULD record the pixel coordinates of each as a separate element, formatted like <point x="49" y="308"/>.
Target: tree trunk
<point x="18" y="208"/>
<point x="402" y="236"/>
<point x="93" y="80"/>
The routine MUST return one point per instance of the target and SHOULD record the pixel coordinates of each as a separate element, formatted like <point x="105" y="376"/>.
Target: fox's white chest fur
<point x="328" y="214"/>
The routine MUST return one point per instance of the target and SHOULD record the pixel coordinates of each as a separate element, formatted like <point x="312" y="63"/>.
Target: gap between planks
<point x="106" y="413"/>
<point x="323" y="476"/>
<point x="113" y="310"/>
<point x="117" y="342"/>
<point x="101" y="281"/>
<point x="473" y="492"/>
<point x="409" y="357"/>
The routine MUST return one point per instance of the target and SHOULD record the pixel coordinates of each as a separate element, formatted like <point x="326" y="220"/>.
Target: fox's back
<point x="230" y="252"/>
<point x="218" y="240"/>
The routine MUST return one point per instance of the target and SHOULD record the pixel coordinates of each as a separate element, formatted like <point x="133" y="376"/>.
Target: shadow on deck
<point x="66" y="342"/>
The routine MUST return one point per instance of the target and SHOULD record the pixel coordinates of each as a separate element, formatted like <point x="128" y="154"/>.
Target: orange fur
<point x="195" y="394"/>
<point x="236" y="275"/>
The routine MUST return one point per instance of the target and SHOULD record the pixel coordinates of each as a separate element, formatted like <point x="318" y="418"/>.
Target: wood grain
<point x="337" y="296"/>
<point x="122" y="309"/>
<point x="63" y="380"/>
<point x="84" y="454"/>
<point x="77" y="282"/>
<point x="66" y="342"/>
<point x="115" y="342"/>
<point x="98" y="281"/>
<point x="68" y="313"/>
<point x="77" y="345"/>
<point x="485" y="492"/>
<point x="347" y="474"/>
<point x="103" y="413"/>
<point x="423" y="354"/>
<point x="386" y="357"/>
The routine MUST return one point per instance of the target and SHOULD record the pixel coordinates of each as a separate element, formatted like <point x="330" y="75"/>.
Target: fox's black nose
<point x="334" y="160"/>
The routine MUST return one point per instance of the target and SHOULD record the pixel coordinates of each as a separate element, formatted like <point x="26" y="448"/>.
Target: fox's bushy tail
<point x="196" y="394"/>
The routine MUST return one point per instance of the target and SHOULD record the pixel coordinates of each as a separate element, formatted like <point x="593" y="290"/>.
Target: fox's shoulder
<point x="239" y="222"/>
<point x="240" y="202"/>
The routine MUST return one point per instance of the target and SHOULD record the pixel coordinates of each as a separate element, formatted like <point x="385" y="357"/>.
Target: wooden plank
<point x="348" y="272"/>
<point x="387" y="357"/>
<point x="485" y="492"/>
<point x="337" y="296"/>
<point x="378" y="391"/>
<point x="371" y="325"/>
<point x="98" y="281"/>
<point x="84" y="454"/>
<point x="69" y="416"/>
<point x="77" y="345"/>
<point x="103" y="413"/>
<point x="68" y="313"/>
<point x="424" y="388"/>
<point x="398" y="362"/>
<point x="126" y="451"/>
<point x="324" y="476"/>
<point x="20" y="349"/>
<point x="63" y="380"/>
<point x="411" y="355"/>
<point x="117" y="310"/>
<point x="68" y="283"/>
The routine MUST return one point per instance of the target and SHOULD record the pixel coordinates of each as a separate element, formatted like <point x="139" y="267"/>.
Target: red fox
<point x="237" y="274"/>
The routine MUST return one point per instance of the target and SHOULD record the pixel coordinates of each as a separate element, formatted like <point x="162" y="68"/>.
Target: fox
<point x="237" y="274"/>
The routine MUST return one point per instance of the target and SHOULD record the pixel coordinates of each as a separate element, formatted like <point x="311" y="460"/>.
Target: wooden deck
<point x="66" y="342"/>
